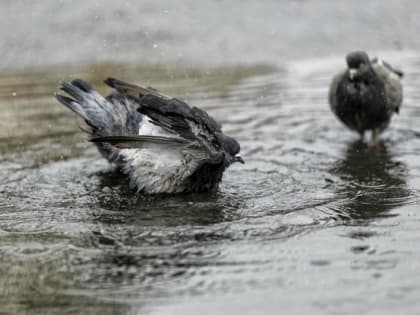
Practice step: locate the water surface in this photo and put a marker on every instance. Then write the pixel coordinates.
(314, 222)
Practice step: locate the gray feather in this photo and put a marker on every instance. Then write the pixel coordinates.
(71, 104)
(393, 87)
(161, 143)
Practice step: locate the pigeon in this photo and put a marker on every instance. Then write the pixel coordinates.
(161, 143)
(366, 94)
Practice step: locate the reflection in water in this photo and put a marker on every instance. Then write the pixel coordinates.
(139, 244)
(202, 209)
(373, 182)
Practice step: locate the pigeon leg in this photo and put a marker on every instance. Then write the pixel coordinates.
(374, 140)
(362, 137)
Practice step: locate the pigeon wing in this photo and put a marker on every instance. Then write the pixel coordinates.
(177, 117)
(392, 81)
(398, 72)
(132, 90)
(332, 96)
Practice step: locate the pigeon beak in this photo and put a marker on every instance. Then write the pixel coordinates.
(352, 73)
(238, 158)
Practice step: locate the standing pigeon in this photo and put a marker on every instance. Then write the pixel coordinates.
(161, 143)
(366, 94)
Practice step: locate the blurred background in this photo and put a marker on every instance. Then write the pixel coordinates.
(216, 32)
(312, 223)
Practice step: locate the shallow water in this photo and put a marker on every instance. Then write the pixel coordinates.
(312, 216)
(312, 223)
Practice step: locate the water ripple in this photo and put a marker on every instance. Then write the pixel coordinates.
(71, 227)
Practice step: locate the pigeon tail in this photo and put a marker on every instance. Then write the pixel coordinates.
(98, 112)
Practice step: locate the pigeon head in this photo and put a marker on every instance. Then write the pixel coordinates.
(358, 64)
(230, 148)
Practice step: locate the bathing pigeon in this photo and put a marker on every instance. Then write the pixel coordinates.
(161, 143)
(366, 94)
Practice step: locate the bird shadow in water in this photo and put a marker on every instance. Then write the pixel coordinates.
(372, 182)
(119, 201)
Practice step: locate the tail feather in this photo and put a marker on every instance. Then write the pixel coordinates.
(98, 112)
(84, 86)
(71, 104)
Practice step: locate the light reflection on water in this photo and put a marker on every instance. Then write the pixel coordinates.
(310, 207)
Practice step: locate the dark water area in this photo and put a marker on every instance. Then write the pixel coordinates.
(313, 223)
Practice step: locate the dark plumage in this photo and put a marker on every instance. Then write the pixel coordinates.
(366, 94)
(161, 143)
